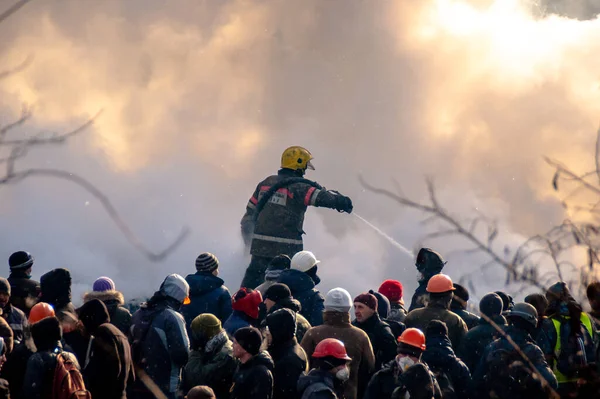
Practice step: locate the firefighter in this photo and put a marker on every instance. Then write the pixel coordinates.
(274, 215)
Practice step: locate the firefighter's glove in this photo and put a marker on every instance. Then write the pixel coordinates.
(343, 204)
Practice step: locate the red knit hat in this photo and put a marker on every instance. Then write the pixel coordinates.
(247, 300)
(392, 290)
(367, 299)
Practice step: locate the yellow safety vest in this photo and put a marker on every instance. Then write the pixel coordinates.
(587, 323)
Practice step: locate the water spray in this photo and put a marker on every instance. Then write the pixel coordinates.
(384, 235)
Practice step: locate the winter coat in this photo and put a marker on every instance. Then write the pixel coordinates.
(24, 291)
(317, 384)
(397, 312)
(39, 376)
(526, 344)
(207, 295)
(381, 337)
(254, 379)
(114, 301)
(56, 290)
(290, 362)
(303, 289)
(278, 228)
(440, 358)
(17, 321)
(110, 366)
(302, 325)
(15, 367)
(237, 320)
(214, 366)
(419, 318)
(390, 378)
(477, 339)
(165, 344)
(420, 297)
(337, 325)
(470, 319)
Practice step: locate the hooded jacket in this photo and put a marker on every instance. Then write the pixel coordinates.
(17, 321)
(390, 382)
(24, 291)
(337, 325)
(56, 290)
(477, 339)
(381, 337)
(317, 384)
(254, 379)
(164, 345)
(208, 294)
(114, 301)
(420, 318)
(302, 325)
(213, 365)
(440, 358)
(237, 320)
(303, 289)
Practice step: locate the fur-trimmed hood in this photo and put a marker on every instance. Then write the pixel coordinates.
(105, 296)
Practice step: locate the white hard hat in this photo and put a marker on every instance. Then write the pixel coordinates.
(304, 261)
(339, 300)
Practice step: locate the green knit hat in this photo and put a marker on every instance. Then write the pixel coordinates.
(206, 325)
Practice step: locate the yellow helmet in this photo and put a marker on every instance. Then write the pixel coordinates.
(296, 158)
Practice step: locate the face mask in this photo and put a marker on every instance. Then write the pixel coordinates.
(405, 362)
(343, 374)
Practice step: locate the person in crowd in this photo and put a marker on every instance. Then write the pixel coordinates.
(278, 296)
(507, 301)
(15, 317)
(208, 293)
(109, 366)
(302, 279)
(245, 310)
(104, 289)
(160, 345)
(440, 290)
(254, 377)
(288, 356)
(393, 291)
(276, 267)
(429, 263)
(336, 324)
(4, 386)
(569, 346)
(56, 291)
(477, 339)
(381, 336)
(329, 374)
(540, 303)
(452, 375)
(16, 362)
(39, 375)
(488, 378)
(201, 392)
(25, 291)
(211, 361)
(459, 306)
(383, 305)
(272, 224)
(406, 373)
(593, 296)
(7, 334)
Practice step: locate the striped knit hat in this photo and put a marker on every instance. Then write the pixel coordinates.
(207, 262)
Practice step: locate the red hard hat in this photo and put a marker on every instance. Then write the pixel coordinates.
(40, 311)
(440, 283)
(331, 347)
(413, 337)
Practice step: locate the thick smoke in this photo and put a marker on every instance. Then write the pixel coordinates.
(200, 98)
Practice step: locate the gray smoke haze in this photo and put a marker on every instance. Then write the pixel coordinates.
(201, 97)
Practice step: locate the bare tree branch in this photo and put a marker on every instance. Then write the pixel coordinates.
(16, 69)
(13, 9)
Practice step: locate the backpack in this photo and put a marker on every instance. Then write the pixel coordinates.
(574, 350)
(138, 335)
(499, 377)
(68, 382)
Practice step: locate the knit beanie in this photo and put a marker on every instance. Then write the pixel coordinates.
(250, 339)
(4, 286)
(201, 392)
(368, 300)
(207, 262)
(280, 262)
(282, 325)
(338, 300)
(206, 325)
(103, 284)
(93, 314)
(246, 300)
(392, 290)
(461, 292)
(277, 292)
(20, 260)
(491, 305)
(46, 333)
(436, 328)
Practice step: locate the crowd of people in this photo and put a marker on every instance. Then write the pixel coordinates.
(284, 339)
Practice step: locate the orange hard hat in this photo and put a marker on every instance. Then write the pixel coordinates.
(413, 337)
(440, 283)
(40, 311)
(331, 347)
